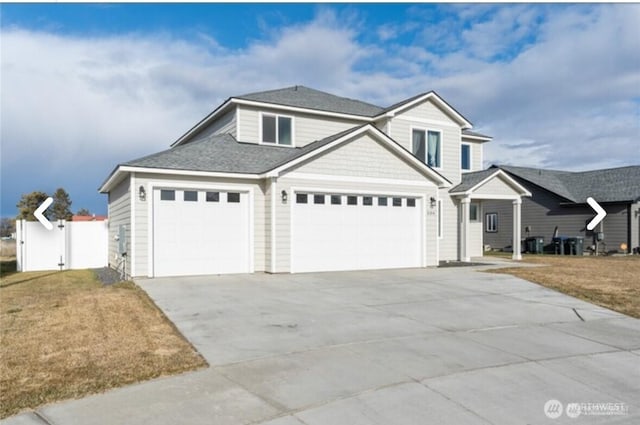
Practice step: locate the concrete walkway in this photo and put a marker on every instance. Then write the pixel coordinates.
(450, 346)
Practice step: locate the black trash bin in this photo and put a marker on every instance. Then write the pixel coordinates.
(535, 244)
(558, 244)
(575, 245)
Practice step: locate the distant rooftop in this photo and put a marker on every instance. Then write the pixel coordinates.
(608, 185)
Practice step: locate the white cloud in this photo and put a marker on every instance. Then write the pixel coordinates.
(563, 80)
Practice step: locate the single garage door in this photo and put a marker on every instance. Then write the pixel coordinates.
(355, 232)
(200, 232)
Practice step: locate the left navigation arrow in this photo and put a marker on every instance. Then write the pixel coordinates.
(38, 213)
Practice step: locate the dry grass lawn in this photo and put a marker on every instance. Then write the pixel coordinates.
(611, 282)
(64, 335)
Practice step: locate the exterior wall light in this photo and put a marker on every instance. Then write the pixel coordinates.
(432, 202)
(283, 195)
(142, 194)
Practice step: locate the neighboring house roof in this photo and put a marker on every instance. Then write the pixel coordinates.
(305, 97)
(473, 180)
(224, 154)
(608, 185)
(89, 218)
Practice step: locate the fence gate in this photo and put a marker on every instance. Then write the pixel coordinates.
(69, 245)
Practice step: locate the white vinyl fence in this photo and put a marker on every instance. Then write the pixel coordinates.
(69, 245)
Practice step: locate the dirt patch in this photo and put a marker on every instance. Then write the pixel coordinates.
(7, 248)
(610, 282)
(65, 335)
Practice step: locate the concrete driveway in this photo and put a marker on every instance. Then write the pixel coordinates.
(451, 346)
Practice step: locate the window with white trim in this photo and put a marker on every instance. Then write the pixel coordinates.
(491, 222)
(427, 146)
(465, 157)
(277, 129)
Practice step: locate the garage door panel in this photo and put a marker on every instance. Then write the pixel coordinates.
(350, 237)
(200, 237)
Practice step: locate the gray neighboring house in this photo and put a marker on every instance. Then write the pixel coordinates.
(559, 199)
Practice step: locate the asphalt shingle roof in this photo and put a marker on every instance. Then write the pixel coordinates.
(608, 185)
(471, 179)
(305, 97)
(223, 153)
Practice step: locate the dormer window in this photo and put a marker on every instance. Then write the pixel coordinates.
(427, 146)
(277, 129)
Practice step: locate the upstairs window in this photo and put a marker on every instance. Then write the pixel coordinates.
(427, 146)
(277, 129)
(465, 159)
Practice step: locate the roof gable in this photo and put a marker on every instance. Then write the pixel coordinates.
(436, 100)
(489, 183)
(348, 135)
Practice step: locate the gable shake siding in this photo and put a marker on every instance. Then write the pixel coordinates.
(496, 186)
(364, 157)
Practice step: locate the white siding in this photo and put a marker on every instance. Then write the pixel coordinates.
(119, 210)
(363, 157)
(476, 154)
(496, 186)
(449, 246)
(428, 116)
(307, 128)
(142, 214)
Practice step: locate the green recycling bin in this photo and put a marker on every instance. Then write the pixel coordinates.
(535, 244)
(576, 245)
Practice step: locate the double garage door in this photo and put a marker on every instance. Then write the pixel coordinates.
(200, 232)
(355, 232)
(208, 232)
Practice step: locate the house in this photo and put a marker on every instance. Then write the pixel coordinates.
(88, 217)
(298, 180)
(559, 200)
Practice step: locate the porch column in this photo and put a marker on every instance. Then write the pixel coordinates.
(517, 219)
(464, 230)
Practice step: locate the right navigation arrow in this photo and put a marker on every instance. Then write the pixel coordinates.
(600, 213)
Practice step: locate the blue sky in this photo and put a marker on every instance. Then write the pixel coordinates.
(84, 87)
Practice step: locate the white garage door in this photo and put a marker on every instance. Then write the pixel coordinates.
(200, 232)
(351, 232)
